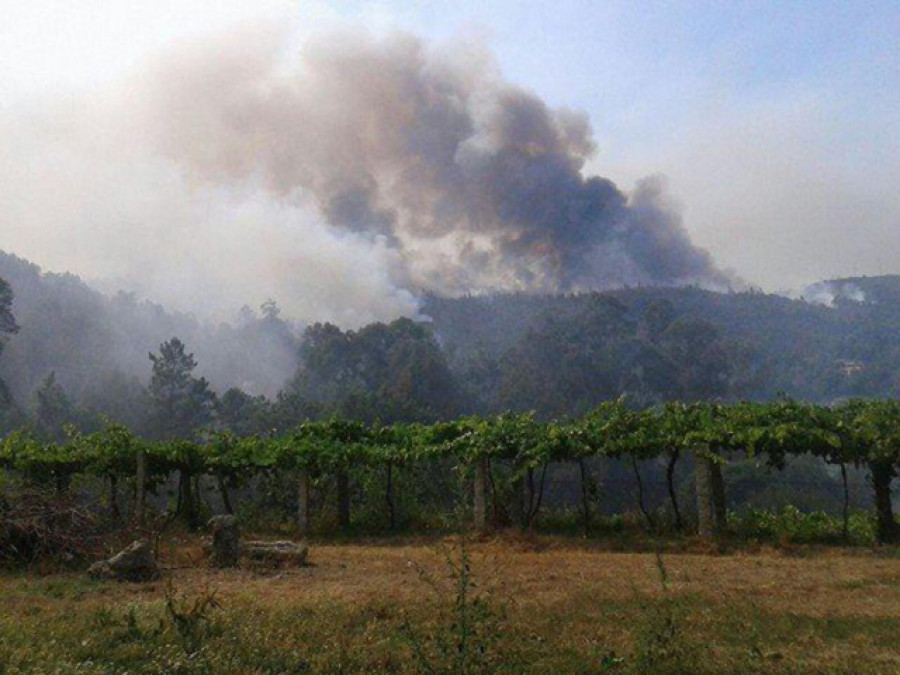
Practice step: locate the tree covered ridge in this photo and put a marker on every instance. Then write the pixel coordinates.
(81, 357)
(775, 345)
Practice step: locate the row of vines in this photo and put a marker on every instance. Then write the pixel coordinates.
(860, 433)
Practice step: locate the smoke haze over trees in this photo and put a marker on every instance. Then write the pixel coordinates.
(87, 338)
(79, 355)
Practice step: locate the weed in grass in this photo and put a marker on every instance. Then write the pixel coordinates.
(190, 616)
(662, 644)
(470, 628)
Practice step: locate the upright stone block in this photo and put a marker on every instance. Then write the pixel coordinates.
(226, 541)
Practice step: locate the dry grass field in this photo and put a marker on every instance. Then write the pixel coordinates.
(545, 606)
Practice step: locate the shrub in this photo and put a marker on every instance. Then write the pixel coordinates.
(791, 525)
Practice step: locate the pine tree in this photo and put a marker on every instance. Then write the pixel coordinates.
(182, 404)
(8, 326)
(53, 409)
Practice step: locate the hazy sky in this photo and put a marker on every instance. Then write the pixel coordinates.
(776, 123)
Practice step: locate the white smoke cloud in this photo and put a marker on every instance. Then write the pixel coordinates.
(84, 193)
(828, 292)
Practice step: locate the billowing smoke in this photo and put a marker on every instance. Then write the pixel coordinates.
(473, 183)
(342, 177)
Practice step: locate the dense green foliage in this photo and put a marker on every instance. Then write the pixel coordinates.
(391, 372)
(861, 433)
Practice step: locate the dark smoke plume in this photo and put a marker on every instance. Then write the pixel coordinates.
(475, 183)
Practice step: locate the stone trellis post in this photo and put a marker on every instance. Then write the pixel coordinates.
(480, 493)
(303, 494)
(140, 488)
(711, 506)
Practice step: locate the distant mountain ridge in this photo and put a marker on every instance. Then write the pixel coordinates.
(840, 341)
(883, 289)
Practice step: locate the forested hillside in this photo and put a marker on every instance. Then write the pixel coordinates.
(77, 350)
(772, 344)
(93, 342)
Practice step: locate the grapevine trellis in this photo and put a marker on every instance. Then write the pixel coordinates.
(860, 433)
